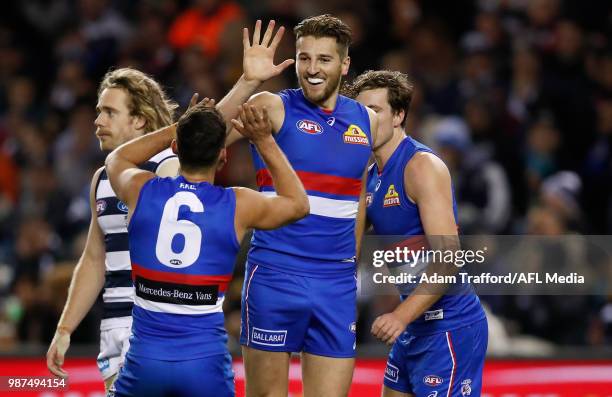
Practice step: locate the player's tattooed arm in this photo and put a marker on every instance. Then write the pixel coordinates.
(254, 209)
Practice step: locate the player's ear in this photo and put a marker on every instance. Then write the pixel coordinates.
(398, 118)
(139, 122)
(174, 146)
(222, 159)
(346, 62)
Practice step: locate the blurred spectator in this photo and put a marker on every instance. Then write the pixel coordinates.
(561, 194)
(103, 30)
(598, 172)
(36, 249)
(77, 150)
(542, 144)
(47, 16)
(480, 184)
(202, 25)
(70, 84)
(524, 90)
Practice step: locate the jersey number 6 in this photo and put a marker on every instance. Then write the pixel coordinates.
(171, 226)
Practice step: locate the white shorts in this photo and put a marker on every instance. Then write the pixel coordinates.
(114, 344)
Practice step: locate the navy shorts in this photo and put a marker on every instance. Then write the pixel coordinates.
(447, 364)
(284, 312)
(205, 377)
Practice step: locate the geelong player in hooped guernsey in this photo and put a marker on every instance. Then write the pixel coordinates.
(439, 341)
(184, 236)
(130, 104)
(299, 293)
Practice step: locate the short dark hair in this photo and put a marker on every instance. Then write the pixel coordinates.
(399, 88)
(200, 136)
(326, 26)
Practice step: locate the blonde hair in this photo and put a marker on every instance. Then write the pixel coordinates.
(146, 98)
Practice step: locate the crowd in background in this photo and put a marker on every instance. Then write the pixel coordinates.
(514, 95)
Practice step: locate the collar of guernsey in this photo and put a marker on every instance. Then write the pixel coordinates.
(182, 238)
(392, 213)
(329, 151)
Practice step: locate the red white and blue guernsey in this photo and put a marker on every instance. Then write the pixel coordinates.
(329, 151)
(442, 352)
(183, 246)
(300, 290)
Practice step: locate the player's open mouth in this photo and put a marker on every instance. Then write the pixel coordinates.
(314, 81)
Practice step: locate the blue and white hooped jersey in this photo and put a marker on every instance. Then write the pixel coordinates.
(329, 152)
(183, 246)
(118, 293)
(391, 212)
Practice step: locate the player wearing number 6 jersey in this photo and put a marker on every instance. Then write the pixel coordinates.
(184, 234)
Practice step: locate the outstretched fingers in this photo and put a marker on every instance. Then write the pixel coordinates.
(277, 37)
(257, 33)
(268, 33)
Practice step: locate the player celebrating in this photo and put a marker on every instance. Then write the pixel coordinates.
(129, 105)
(183, 249)
(440, 340)
(299, 293)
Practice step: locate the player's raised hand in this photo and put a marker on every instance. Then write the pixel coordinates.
(388, 327)
(206, 102)
(254, 123)
(258, 55)
(57, 351)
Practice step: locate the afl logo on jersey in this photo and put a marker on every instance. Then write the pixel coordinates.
(100, 206)
(309, 127)
(433, 380)
(122, 207)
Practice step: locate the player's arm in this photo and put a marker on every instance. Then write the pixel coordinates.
(254, 209)
(361, 223)
(85, 286)
(258, 66)
(274, 107)
(427, 182)
(125, 176)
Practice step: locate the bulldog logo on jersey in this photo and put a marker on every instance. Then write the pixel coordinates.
(309, 127)
(466, 387)
(391, 198)
(354, 135)
(369, 199)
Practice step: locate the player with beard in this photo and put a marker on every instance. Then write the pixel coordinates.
(299, 293)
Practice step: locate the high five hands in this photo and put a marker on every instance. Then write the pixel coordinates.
(258, 54)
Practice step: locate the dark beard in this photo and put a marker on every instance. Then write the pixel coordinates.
(331, 87)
